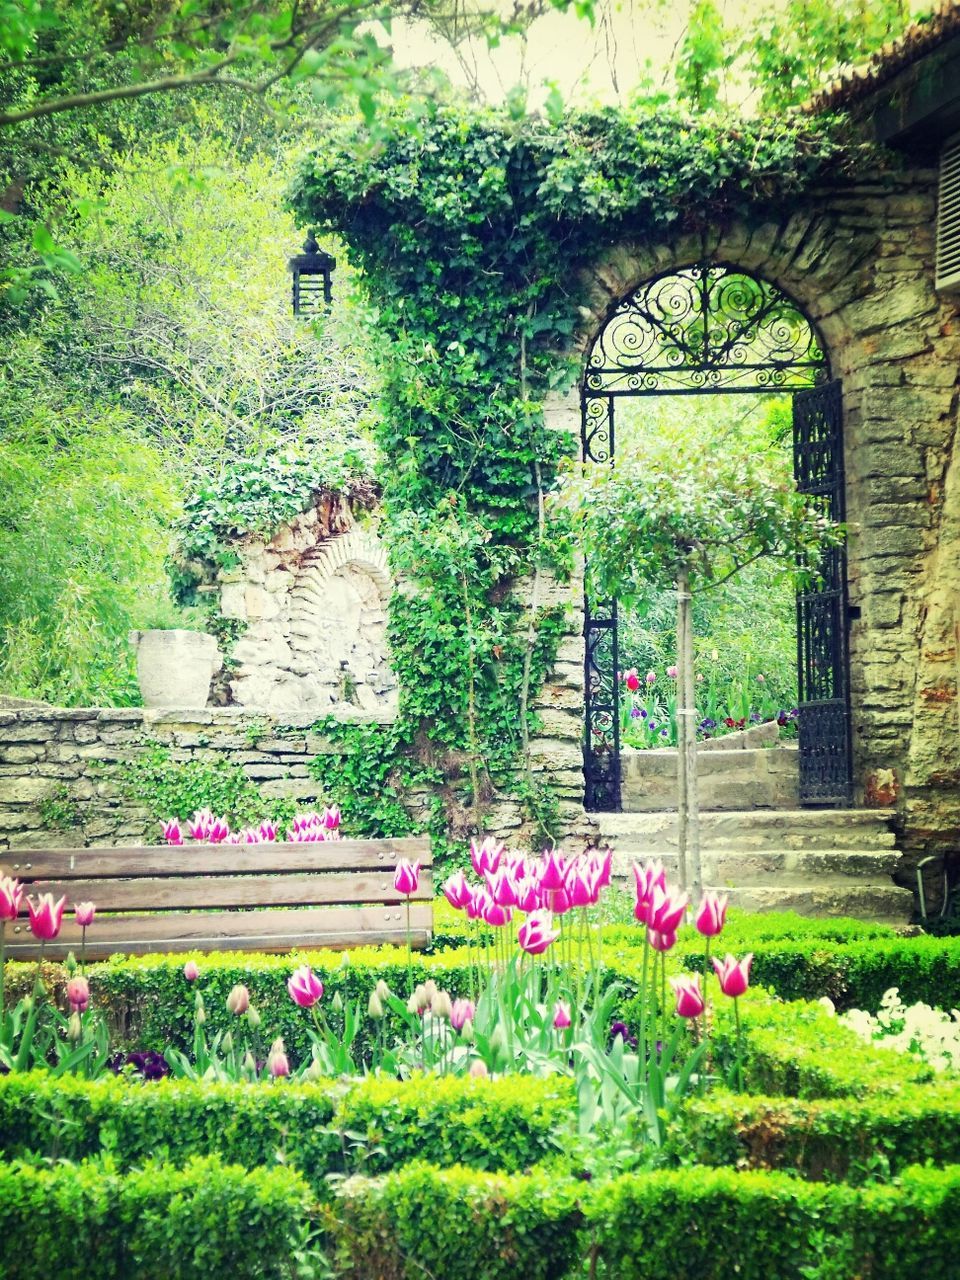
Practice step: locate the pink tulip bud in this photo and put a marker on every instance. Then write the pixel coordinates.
(649, 879)
(537, 933)
(553, 872)
(78, 993)
(672, 672)
(461, 1011)
(561, 1015)
(407, 877)
(83, 913)
(712, 915)
(651, 677)
(457, 891)
(494, 914)
(278, 1064)
(580, 889)
(501, 888)
(171, 831)
(330, 819)
(734, 977)
(238, 1001)
(632, 680)
(305, 987)
(11, 895)
(689, 997)
(661, 941)
(190, 971)
(46, 916)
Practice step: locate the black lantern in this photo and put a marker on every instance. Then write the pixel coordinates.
(311, 272)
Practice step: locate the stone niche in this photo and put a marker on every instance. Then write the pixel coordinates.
(314, 600)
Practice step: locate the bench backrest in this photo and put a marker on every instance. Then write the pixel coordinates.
(226, 897)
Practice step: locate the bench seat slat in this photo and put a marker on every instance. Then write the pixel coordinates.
(280, 930)
(222, 859)
(173, 893)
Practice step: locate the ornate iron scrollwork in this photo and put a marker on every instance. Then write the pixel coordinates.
(822, 657)
(714, 328)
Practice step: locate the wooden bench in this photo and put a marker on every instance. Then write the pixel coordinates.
(226, 897)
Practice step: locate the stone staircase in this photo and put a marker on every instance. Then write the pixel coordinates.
(818, 862)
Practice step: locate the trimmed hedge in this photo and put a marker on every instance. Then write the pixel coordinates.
(321, 1128)
(87, 1222)
(693, 1224)
(458, 1225)
(801, 1050)
(850, 1139)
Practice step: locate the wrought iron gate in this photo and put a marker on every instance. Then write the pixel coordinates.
(713, 328)
(826, 776)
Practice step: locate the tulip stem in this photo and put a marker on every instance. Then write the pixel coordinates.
(706, 1027)
(3, 926)
(663, 1000)
(409, 949)
(643, 1005)
(736, 1014)
(83, 949)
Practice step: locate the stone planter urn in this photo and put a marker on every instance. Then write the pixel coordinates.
(174, 668)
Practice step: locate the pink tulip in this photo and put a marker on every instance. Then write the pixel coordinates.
(83, 913)
(199, 828)
(461, 1011)
(555, 900)
(478, 1069)
(632, 680)
(561, 1015)
(712, 915)
(528, 895)
(648, 879)
(501, 888)
(602, 864)
(651, 677)
(268, 830)
(78, 993)
(553, 872)
(46, 916)
(219, 831)
(190, 971)
(667, 910)
(734, 977)
(486, 855)
(494, 914)
(661, 941)
(407, 877)
(305, 987)
(478, 897)
(537, 933)
(580, 889)
(11, 895)
(171, 831)
(457, 891)
(330, 819)
(689, 997)
(238, 1001)
(672, 672)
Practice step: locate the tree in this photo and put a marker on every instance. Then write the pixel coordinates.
(678, 513)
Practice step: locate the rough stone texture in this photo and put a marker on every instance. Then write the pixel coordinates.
(756, 778)
(314, 600)
(858, 258)
(68, 759)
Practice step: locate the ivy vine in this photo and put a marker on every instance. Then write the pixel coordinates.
(471, 229)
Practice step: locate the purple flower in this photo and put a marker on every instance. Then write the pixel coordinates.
(664, 733)
(708, 723)
(651, 725)
(149, 1064)
(755, 717)
(636, 713)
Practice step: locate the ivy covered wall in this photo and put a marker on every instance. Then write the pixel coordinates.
(493, 248)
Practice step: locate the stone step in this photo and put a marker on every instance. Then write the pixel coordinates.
(758, 777)
(882, 903)
(789, 866)
(656, 834)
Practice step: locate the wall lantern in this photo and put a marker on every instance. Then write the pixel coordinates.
(311, 271)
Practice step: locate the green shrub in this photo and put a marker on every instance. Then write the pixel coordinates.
(821, 1139)
(457, 1224)
(714, 1223)
(327, 1127)
(208, 1220)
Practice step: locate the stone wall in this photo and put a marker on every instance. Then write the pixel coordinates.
(859, 259)
(313, 601)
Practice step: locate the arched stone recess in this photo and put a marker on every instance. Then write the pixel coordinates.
(859, 260)
(316, 634)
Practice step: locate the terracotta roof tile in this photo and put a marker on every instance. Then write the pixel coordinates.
(918, 39)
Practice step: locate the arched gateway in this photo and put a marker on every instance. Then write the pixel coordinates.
(705, 329)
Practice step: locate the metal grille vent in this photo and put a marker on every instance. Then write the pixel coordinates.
(948, 217)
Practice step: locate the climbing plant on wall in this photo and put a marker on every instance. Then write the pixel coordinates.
(471, 230)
